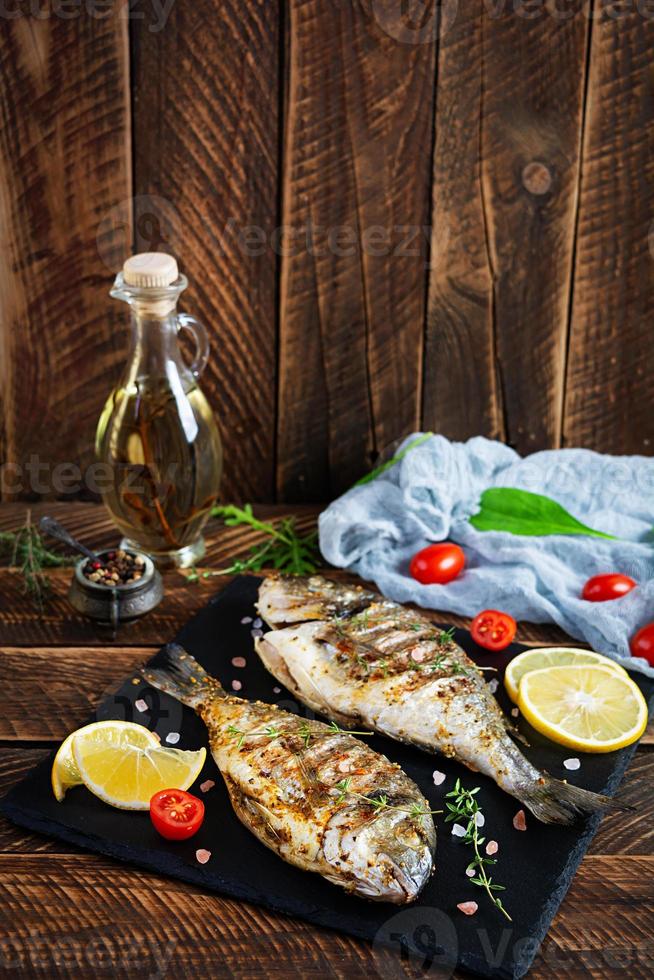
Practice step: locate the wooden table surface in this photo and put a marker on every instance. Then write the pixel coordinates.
(64, 912)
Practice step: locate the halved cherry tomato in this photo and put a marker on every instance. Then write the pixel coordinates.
(642, 644)
(176, 814)
(437, 563)
(602, 588)
(492, 629)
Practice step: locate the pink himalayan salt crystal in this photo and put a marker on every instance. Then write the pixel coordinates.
(202, 856)
(277, 690)
(236, 685)
(439, 777)
(418, 656)
(468, 908)
(492, 847)
(141, 705)
(238, 661)
(344, 766)
(207, 785)
(519, 821)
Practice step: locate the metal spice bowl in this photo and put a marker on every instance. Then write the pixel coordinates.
(120, 603)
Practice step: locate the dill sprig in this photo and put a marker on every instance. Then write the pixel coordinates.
(304, 731)
(378, 803)
(28, 554)
(464, 807)
(284, 548)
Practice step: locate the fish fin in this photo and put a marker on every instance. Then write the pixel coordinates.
(555, 801)
(178, 673)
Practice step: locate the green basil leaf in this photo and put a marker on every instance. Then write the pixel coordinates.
(522, 512)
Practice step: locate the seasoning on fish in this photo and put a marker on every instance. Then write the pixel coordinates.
(371, 831)
(359, 659)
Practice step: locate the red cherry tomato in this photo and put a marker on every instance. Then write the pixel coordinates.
(437, 563)
(492, 629)
(642, 644)
(175, 814)
(601, 588)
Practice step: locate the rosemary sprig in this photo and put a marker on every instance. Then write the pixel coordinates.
(465, 808)
(378, 803)
(284, 548)
(304, 732)
(28, 554)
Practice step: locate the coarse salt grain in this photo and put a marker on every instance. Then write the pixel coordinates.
(468, 908)
(172, 738)
(257, 624)
(519, 821)
(492, 847)
(255, 634)
(207, 785)
(236, 685)
(238, 661)
(141, 705)
(471, 872)
(246, 620)
(277, 690)
(458, 830)
(515, 712)
(418, 656)
(439, 777)
(572, 764)
(480, 819)
(344, 766)
(493, 685)
(202, 856)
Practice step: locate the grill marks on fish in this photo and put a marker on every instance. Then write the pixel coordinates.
(361, 659)
(285, 776)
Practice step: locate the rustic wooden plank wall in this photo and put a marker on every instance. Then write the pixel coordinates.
(392, 215)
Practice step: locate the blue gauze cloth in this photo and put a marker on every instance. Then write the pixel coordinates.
(376, 528)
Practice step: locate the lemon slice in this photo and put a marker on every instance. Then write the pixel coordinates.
(588, 707)
(551, 657)
(127, 775)
(65, 773)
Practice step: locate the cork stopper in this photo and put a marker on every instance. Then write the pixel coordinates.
(150, 270)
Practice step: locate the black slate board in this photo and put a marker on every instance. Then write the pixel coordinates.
(536, 866)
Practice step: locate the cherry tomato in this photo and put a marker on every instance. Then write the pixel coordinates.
(601, 588)
(642, 644)
(492, 629)
(176, 814)
(437, 563)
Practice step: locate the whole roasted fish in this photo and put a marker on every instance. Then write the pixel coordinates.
(318, 797)
(360, 659)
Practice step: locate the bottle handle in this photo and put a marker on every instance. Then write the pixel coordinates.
(202, 348)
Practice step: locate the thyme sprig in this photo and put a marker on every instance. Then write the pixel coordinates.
(378, 803)
(284, 548)
(29, 556)
(304, 731)
(464, 807)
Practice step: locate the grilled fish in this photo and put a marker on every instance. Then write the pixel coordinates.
(320, 798)
(361, 659)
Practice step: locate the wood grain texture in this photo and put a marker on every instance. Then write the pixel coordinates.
(462, 396)
(355, 202)
(64, 228)
(533, 77)
(125, 916)
(206, 175)
(611, 355)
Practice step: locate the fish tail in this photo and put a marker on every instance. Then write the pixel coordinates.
(555, 801)
(178, 673)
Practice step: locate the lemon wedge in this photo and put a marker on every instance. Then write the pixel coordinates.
(65, 773)
(542, 657)
(588, 707)
(127, 775)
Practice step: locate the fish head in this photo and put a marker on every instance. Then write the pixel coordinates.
(389, 855)
(288, 599)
